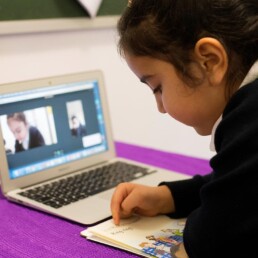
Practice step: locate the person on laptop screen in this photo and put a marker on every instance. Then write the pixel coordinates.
(78, 129)
(199, 58)
(26, 136)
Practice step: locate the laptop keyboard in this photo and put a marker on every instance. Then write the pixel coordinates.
(74, 188)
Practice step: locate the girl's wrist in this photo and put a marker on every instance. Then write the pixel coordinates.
(166, 200)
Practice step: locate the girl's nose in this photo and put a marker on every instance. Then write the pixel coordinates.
(160, 106)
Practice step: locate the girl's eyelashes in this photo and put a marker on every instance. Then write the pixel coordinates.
(157, 90)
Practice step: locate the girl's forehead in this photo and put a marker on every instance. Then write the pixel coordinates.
(15, 121)
(144, 66)
(141, 61)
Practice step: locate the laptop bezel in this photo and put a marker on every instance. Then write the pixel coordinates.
(8, 184)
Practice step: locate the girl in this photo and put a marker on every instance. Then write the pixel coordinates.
(26, 136)
(200, 60)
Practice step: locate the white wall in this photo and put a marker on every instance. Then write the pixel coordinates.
(132, 106)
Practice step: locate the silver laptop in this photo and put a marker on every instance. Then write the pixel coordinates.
(57, 151)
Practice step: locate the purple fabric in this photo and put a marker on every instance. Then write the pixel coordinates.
(25, 232)
(166, 160)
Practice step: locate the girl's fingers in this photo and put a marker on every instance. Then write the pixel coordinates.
(120, 193)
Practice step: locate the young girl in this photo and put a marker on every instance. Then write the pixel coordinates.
(26, 136)
(200, 60)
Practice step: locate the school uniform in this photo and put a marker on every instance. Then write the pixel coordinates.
(80, 131)
(222, 207)
(35, 139)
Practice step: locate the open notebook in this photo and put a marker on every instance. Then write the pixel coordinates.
(57, 151)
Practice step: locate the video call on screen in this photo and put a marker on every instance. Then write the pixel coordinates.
(52, 127)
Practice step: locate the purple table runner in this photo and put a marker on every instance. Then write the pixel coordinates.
(25, 232)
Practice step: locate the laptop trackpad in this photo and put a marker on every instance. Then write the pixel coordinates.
(107, 195)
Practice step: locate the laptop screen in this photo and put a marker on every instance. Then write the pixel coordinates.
(50, 126)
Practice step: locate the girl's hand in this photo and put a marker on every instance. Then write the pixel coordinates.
(130, 198)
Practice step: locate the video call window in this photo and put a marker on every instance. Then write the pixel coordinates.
(50, 126)
(76, 118)
(28, 129)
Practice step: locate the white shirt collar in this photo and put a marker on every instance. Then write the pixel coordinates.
(251, 76)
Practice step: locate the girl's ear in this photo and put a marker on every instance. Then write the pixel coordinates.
(212, 57)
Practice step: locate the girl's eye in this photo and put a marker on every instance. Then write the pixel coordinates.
(157, 90)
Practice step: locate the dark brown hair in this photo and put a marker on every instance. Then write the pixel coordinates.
(19, 116)
(169, 29)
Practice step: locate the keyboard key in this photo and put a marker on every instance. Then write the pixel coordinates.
(74, 188)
